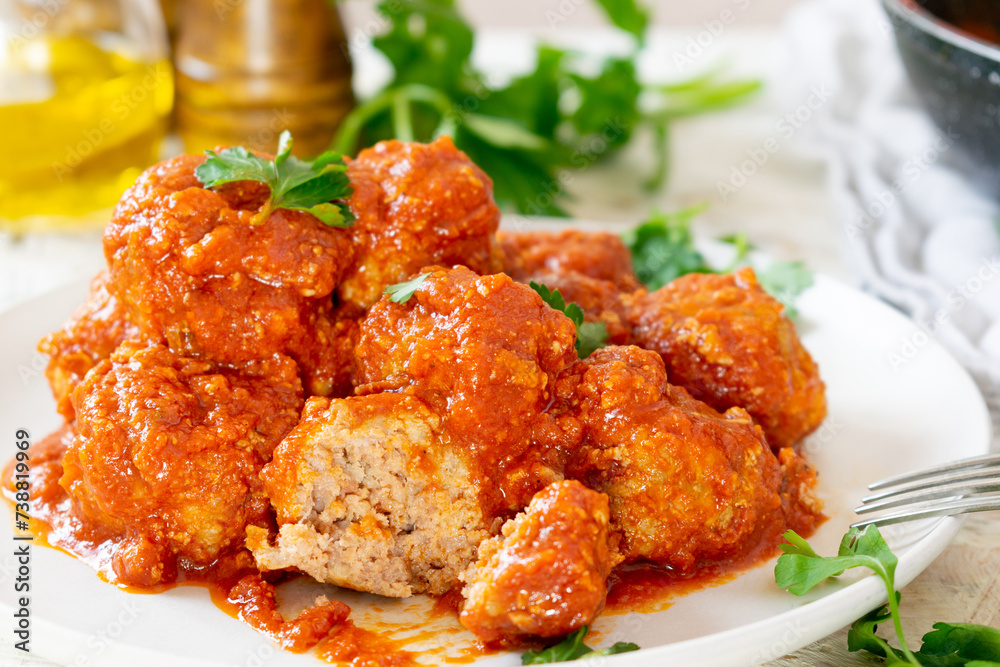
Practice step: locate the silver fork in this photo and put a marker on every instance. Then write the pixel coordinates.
(968, 485)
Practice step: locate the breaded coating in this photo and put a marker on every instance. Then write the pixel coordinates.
(369, 497)
(729, 343)
(195, 271)
(483, 353)
(168, 451)
(546, 576)
(598, 255)
(417, 205)
(599, 299)
(687, 485)
(97, 327)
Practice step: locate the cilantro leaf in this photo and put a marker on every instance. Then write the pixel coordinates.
(401, 292)
(590, 336)
(573, 648)
(295, 184)
(663, 249)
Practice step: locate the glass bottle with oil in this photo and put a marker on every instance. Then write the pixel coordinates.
(86, 88)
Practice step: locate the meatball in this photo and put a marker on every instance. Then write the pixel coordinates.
(417, 205)
(195, 271)
(687, 485)
(546, 576)
(90, 335)
(598, 255)
(729, 343)
(168, 451)
(599, 299)
(369, 497)
(483, 353)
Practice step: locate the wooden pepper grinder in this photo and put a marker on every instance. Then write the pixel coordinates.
(248, 69)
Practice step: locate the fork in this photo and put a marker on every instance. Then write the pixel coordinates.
(967, 485)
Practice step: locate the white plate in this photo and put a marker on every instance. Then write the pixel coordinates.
(882, 421)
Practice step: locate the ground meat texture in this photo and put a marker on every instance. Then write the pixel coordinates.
(729, 343)
(368, 497)
(168, 452)
(196, 272)
(546, 575)
(417, 205)
(90, 335)
(599, 299)
(483, 353)
(598, 255)
(687, 485)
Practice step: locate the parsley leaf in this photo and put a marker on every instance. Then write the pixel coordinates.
(663, 249)
(785, 281)
(401, 292)
(295, 184)
(627, 15)
(590, 336)
(573, 648)
(533, 133)
(800, 569)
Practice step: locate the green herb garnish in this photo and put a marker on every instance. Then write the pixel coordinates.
(590, 336)
(538, 129)
(785, 281)
(573, 648)
(663, 249)
(800, 569)
(401, 292)
(313, 187)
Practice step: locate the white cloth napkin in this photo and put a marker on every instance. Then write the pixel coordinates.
(914, 232)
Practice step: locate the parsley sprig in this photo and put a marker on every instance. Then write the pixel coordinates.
(590, 336)
(563, 115)
(663, 249)
(314, 187)
(401, 292)
(573, 648)
(800, 569)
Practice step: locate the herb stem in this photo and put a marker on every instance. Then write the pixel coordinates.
(402, 117)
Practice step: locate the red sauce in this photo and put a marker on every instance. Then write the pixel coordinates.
(348, 643)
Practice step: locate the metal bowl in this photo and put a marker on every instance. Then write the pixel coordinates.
(956, 72)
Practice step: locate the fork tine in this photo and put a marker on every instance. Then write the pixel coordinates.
(932, 509)
(934, 483)
(964, 464)
(952, 490)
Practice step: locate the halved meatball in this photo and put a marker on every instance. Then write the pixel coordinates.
(369, 497)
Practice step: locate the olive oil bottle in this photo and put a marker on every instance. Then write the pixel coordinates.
(82, 113)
